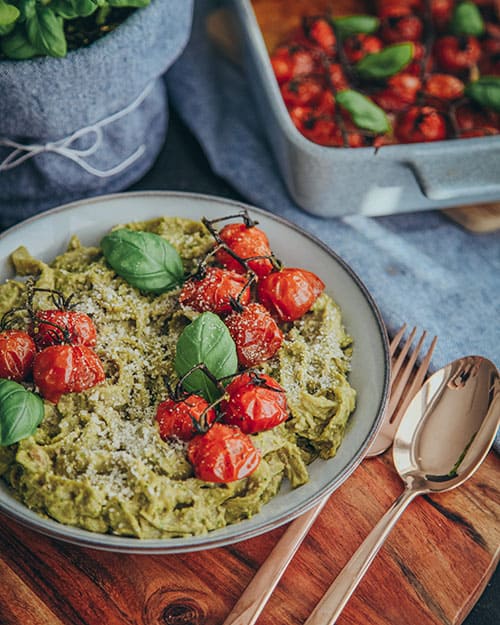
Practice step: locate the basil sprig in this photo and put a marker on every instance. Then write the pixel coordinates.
(486, 92)
(356, 24)
(144, 259)
(205, 340)
(365, 113)
(21, 412)
(467, 20)
(8, 14)
(385, 63)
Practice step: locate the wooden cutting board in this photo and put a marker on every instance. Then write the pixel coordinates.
(431, 571)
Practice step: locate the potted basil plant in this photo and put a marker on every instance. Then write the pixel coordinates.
(83, 106)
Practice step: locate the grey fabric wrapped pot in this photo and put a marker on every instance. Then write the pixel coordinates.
(92, 122)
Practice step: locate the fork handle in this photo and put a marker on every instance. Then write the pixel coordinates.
(255, 596)
(333, 601)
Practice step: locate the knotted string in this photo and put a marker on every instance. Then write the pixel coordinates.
(23, 152)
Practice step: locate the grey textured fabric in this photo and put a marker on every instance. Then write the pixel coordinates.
(47, 99)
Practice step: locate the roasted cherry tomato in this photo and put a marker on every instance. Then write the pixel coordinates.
(183, 418)
(319, 32)
(444, 87)
(246, 242)
(17, 352)
(256, 402)
(401, 25)
(215, 291)
(401, 91)
(289, 293)
(223, 454)
(359, 45)
(50, 328)
(61, 369)
(456, 54)
(471, 117)
(291, 61)
(420, 124)
(386, 8)
(303, 91)
(256, 334)
(441, 12)
(337, 77)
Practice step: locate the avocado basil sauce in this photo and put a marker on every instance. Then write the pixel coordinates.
(97, 460)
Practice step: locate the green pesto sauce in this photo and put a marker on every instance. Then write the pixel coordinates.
(97, 460)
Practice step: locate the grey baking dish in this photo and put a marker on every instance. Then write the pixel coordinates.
(337, 181)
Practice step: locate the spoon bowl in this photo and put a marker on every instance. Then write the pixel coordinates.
(442, 439)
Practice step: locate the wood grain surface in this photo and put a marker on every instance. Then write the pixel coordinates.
(431, 571)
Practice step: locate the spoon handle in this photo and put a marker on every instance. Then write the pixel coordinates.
(333, 601)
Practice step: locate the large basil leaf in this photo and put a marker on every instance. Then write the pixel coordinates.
(46, 32)
(355, 24)
(486, 92)
(144, 259)
(21, 412)
(365, 113)
(8, 14)
(17, 46)
(467, 20)
(205, 340)
(385, 63)
(69, 9)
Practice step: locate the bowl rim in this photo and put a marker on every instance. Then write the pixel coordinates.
(125, 544)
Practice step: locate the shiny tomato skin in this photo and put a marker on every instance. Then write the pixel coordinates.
(421, 124)
(456, 54)
(245, 242)
(304, 91)
(444, 87)
(80, 327)
(319, 32)
(255, 333)
(17, 352)
(358, 46)
(401, 26)
(401, 91)
(213, 292)
(175, 418)
(61, 369)
(254, 404)
(290, 62)
(223, 454)
(290, 292)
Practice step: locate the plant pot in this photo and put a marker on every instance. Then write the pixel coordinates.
(92, 122)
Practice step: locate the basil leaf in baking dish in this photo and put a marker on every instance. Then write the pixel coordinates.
(365, 113)
(387, 62)
(356, 24)
(145, 260)
(486, 92)
(467, 20)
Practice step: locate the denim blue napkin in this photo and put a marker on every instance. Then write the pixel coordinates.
(421, 268)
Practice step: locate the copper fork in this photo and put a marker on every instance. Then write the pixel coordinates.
(255, 596)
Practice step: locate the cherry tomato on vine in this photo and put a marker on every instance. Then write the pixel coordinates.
(385, 8)
(441, 12)
(302, 91)
(79, 326)
(319, 31)
(214, 291)
(291, 61)
(337, 76)
(290, 292)
(421, 124)
(223, 454)
(358, 46)
(17, 352)
(256, 334)
(256, 402)
(401, 91)
(399, 25)
(61, 369)
(246, 242)
(470, 117)
(444, 87)
(175, 417)
(456, 54)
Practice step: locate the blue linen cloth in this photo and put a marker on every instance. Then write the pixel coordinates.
(421, 268)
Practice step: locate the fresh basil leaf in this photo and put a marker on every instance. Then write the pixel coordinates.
(69, 9)
(21, 412)
(9, 14)
(385, 63)
(205, 340)
(467, 20)
(17, 46)
(486, 92)
(27, 8)
(365, 113)
(46, 32)
(144, 259)
(356, 24)
(128, 3)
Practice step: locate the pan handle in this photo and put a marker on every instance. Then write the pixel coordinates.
(444, 173)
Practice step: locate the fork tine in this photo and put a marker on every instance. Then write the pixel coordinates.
(398, 363)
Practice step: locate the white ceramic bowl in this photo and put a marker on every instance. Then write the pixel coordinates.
(48, 234)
